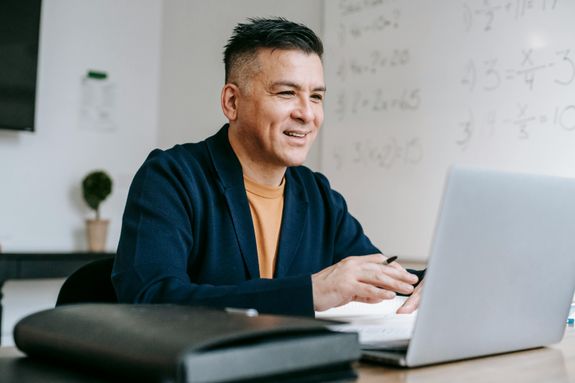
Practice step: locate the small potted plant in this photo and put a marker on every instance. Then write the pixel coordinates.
(96, 187)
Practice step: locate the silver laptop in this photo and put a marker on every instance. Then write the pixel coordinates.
(501, 273)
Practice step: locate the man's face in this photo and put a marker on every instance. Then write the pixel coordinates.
(280, 107)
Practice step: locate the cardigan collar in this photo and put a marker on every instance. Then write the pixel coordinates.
(231, 182)
(226, 163)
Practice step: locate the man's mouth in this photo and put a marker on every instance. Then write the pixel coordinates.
(292, 133)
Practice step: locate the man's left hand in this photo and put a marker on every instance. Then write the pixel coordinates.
(412, 303)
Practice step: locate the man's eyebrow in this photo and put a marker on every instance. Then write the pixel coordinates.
(294, 85)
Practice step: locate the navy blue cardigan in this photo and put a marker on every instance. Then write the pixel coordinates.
(187, 234)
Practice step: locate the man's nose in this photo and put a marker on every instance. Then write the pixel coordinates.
(304, 111)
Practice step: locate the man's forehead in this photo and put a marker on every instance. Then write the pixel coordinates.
(293, 68)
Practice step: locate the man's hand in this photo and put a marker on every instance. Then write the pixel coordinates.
(412, 303)
(362, 279)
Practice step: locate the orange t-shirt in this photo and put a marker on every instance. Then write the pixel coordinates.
(266, 206)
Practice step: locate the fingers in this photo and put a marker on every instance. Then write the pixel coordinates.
(371, 294)
(388, 277)
(409, 306)
(373, 271)
(412, 303)
(378, 260)
(362, 278)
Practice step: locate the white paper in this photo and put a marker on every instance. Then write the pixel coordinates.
(98, 104)
(377, 325)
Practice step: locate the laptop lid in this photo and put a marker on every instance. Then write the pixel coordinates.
(501, 274)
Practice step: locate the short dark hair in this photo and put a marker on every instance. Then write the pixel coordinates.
(275, 33)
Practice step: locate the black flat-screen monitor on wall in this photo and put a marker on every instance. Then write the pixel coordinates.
(19, 42)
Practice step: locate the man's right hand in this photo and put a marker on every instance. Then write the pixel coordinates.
(362, 279)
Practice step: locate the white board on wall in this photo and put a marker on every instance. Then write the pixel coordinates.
(415, 86)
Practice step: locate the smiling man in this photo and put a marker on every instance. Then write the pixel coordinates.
(236, 220)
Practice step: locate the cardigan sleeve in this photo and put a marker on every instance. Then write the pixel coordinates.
(155, 243)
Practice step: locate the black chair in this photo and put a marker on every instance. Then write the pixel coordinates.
(91, 283)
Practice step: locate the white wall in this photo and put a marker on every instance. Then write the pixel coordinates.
(194, 36)
(165, 60)
(40, 173)
(24, 297)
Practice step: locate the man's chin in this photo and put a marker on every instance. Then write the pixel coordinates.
(295, 158)
(295, 162)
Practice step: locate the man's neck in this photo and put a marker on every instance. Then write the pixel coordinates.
(257, 171)
(262, 177)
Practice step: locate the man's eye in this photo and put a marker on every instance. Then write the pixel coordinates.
(286, 93)
(317, 97)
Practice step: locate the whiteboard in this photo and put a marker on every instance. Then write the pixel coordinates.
(417, 85)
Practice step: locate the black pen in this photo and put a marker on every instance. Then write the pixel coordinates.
(389, 260)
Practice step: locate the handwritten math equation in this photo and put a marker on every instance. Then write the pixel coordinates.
(524, 122)
(371, 25)
(486, 15)
(376, 101)
(353, 7)
(530, 68)
(373, 63)
(386, 153)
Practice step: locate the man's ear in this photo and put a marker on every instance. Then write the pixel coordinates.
(229, 99)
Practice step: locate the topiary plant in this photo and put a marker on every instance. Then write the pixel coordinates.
(96, 187)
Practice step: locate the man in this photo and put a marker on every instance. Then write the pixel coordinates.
(235, 220)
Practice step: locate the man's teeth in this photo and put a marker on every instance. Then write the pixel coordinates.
(294, 134)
